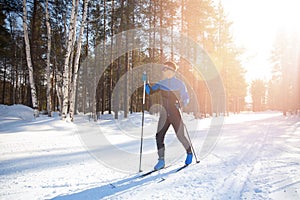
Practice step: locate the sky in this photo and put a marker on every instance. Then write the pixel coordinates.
(255, 25)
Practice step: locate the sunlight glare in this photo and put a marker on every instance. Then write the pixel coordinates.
(287, 15)
(256, 26)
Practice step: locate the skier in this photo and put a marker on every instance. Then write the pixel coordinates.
(173, 94)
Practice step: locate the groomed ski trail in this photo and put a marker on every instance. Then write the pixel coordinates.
(242, 165)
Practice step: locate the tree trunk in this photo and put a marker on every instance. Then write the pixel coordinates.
(28, 58)
(110, 86)
(48, 61)
(116, 99)
(76, 62)
(59, 91)
(70, 42)
(4, 82)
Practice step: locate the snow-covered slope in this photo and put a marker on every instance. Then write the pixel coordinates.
(257, 156)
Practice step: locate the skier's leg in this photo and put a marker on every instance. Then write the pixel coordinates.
(163, 125)
(178, 126)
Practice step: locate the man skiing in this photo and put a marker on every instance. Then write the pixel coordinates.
(173, 94)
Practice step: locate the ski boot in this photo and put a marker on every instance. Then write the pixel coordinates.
(189, 158)
(160, 164)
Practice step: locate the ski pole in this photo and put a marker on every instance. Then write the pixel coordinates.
(144, 78)
(190, 141)
(188, 136)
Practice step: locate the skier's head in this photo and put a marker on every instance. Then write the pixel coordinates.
(171, 66)
(169, 69)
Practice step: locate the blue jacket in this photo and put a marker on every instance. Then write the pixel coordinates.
(173, 85)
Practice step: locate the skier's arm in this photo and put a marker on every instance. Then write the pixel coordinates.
(156, 86)
(153, 88)
(150, 88)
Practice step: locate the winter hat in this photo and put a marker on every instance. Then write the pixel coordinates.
(171, 65)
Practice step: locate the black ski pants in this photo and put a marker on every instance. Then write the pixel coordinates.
(170, 116)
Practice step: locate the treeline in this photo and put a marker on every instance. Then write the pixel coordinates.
(46, 69)
(282, 91)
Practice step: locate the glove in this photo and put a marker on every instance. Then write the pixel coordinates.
(179, 104)
(185, 102)
(148, 88)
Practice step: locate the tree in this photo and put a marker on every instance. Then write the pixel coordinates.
(70, 42)
(55, 48)
(5, 41)
(48, 72)
(258, 92)
(28, 58)
(76, 62)
(283, 87)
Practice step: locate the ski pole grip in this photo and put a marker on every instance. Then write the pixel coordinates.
(144, 77)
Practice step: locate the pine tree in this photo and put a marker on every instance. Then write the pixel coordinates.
(283, 89)
(5, 48)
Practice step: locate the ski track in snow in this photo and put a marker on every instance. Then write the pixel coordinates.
(241, 166)
(256, 157)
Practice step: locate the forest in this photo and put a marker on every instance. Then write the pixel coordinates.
(51, 52)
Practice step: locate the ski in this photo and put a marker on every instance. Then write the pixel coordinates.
(176, 170)
(163, 176)
(181, 168)
(138, 176)
(148, 173)
(185, 166)
(152, 171)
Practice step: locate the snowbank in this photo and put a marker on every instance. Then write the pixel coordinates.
(17, 111)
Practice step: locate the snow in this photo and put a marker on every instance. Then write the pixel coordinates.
(256, 156)
(17, 111)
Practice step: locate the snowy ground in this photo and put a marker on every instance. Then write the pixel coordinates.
(257, 156)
